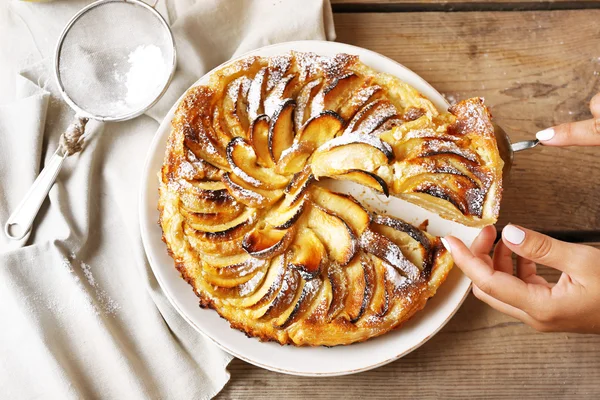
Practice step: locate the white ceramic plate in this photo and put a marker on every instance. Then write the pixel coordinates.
(319, 361)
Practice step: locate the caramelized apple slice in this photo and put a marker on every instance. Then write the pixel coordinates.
(395, 282)
(264, 243)
(250, 287)
(352, 139)
(256, 95)
(405, 236)
(242, 160)
(321, 128)
(383, 248)
(249, 195)
(219, 261)
(299, 184)
(287, 294)
(259, 139)
(351, 152)
(380, 298)
(286, 213)
(203, 246)
(339, 290)
(283, 90)
(307, 253)
(367, 179)
(343, 206)
(334, 94)
(268, 289)
(303, 302)
(191, 168)
(245, 218)
(371, 117)
(361, 97)
(201, 219)
(199, 143)
(438, 191)
(206, 198)
(234, 107)
(451, 164)
(334, 233)
(281, 129)
(233, 275)
(305, 96)
(359, 292)
(317, 312)
(293, 159)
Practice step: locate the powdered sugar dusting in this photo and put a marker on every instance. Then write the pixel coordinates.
(107, 303)
(255, 94)
(302, 102)
(356, 137)
(278, 67)
(275, 97)
(397, 280)
(246, 194)
(436, 146)
(383, 111)
(250, 286)
(388, 251)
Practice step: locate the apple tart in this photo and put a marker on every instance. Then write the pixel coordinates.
(278, 255)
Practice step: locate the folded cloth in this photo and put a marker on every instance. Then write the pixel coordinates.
(82, 314)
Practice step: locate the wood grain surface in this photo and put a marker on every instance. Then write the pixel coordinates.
(480, 354)
(459, 5)
(534, 69)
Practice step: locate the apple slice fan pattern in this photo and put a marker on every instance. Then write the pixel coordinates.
(285, 259)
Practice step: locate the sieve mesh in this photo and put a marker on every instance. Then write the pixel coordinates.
(115, 60)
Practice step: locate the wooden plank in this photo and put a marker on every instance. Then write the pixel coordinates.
(481, 353)
(458, 5)
(377, 2)
(534, 70)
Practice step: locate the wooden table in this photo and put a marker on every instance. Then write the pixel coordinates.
(537, 64)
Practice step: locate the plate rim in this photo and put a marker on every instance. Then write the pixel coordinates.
(145, 229)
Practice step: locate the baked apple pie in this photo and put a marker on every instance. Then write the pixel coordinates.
(251, 228)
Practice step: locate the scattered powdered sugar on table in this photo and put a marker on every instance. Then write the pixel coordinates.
(107, 304)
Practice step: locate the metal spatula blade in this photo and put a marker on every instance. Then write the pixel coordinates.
(508, 149)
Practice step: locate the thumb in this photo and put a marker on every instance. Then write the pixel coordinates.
(543, 249)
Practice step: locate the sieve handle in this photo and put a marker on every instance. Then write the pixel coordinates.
(19, 223)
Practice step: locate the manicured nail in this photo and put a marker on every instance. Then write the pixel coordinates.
(546, 134)
(513, 234)
(446, 245)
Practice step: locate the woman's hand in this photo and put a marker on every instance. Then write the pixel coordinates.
(573, 303)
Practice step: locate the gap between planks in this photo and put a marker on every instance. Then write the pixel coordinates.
(345, 6)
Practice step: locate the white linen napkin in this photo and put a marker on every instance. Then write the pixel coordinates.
(82, 315)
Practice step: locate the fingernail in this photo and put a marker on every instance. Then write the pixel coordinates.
(446, 245)
(544, 135)
(513, 234)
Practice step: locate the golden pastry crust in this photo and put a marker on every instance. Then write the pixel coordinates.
(284, 259)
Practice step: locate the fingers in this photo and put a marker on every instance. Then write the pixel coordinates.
(503, 286)
(595, 106)
(483, 243)
(503, 307)
(527, 272)
(580, 133)
(543, 249)
(503, 258)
